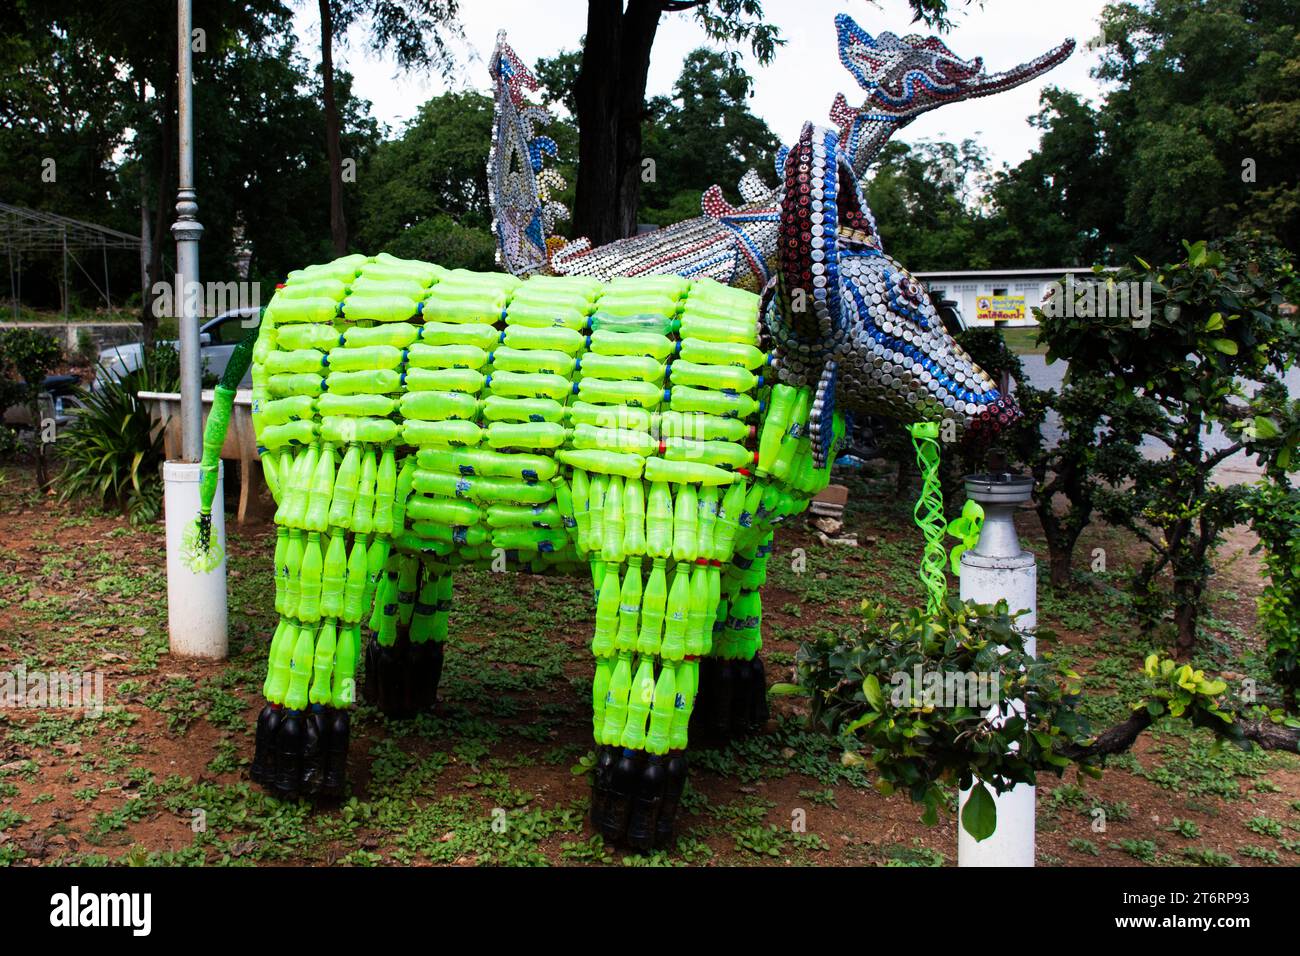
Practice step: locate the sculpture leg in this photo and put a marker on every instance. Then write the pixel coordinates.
(409, 625)
(732, 697)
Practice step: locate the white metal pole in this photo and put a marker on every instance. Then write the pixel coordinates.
(997, 568)
(196, 600)
(187, 232)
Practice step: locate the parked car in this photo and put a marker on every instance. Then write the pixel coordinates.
(217, 340)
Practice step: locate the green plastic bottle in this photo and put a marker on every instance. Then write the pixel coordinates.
(364, 510)
(724, 533)
(354, 588)
(633, 517)
(596, 513)
(344, 692)
(599, 690)
(708, 520)
(345, 488)
(385, 486)
(281, 546)
(300, 668)
(661, 713)
(789, 445)
(293, 570)
(581, 491)
(278, 673)
(310, 579)
(277, 648)
(653, 602)
(676, 613)
(323, 663)
(614, 529)
(334, 571)
(683, 703)
(300, 487)
(775, 425)
(715, 598)
(686, 509)
(620, 685)
(659, 521)
(697, 610)
(639, 700)
(607, 605)
(629, 606)
(321, 491)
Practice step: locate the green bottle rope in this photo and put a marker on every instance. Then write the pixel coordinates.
(198, 553)
(929, 514)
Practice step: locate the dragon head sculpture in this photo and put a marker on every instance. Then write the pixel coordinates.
(848, 320)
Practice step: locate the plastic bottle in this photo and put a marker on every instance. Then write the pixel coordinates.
(684, 703)
(334, 570)
(685, 519)
(661, 713)
(580, 492)
(364, 510)
(345, 488)
(607, 605)
(653, 602)
(775, 425)
(300, 668)
(638, 704)
(634, 541)
(281, 545)
(599, 688)
(344, 690)
(614, 528)
(659, 521)
(300, 487)
(629, 608)
(620, 684)
(708, 520)
(385, 486)
(292, 570)
(321, 490)
(323, 663)
(676, 612)
(596, 513)
(310, 579)
(697, 610)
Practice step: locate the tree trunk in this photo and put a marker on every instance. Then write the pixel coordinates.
(1061, 562)
(338, 224)
(610, 99)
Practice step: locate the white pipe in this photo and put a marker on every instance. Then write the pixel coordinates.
(997, 568)
(196, 601)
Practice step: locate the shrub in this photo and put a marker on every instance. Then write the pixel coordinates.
(26, 357)
(112, 451)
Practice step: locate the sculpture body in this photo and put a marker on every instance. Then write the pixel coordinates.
(645, 422)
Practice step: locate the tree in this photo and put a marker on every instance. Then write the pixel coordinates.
(609, 94)
(26, 357)
(427, 190)
(416, 31)
(1210, 352)
(704, 134)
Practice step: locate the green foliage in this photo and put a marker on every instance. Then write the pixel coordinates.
(1211, 352)
(26, 357)
(1274, 513)
(112, 451)
(917, 739)
(426, 192)
(1180, 691)
(704, 134)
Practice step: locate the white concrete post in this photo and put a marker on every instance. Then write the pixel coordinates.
(997, 568)
(196, 601)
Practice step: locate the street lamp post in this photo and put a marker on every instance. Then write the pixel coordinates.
(196, 599)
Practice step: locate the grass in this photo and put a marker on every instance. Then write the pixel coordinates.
(498, 774)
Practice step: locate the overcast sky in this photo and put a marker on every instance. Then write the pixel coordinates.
(803, 78)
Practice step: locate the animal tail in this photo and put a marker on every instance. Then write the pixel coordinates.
(520, 189)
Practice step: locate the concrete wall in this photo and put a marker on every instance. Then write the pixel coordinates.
(68, 334)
